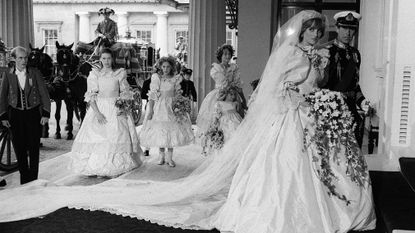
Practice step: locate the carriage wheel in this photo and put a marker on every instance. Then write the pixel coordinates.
(7, 158)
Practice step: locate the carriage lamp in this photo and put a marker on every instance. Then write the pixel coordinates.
(143, 52)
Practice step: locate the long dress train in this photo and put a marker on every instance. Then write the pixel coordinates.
(260, 181)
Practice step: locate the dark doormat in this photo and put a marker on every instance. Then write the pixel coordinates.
(82, 221)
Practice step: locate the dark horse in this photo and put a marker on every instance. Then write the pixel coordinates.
(72, 73)
(43, 62)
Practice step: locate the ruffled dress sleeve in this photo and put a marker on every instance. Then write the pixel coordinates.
(217, 74)
(92, 86)
(297, 67)
(125, 88)
(154, 93)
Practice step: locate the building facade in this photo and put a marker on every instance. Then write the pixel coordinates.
(154, 21)
(157, 22)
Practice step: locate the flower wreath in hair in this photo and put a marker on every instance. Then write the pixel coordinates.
(228, 89)
(106, 11)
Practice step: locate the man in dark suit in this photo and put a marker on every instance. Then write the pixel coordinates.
(24, 106)
(188, 90)
(343, 69)
(187, 85)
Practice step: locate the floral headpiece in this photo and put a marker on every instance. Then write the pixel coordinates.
(229, 89)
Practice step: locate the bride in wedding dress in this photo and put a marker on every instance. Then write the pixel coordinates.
(262, 180)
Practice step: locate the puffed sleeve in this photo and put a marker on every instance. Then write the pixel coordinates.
(125, 89)
(154, 92)
(297, 67)
(216, 72)
(92, 86)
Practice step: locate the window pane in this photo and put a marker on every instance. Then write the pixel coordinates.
(50, 36)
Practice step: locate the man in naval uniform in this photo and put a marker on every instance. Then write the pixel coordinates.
(343, 69)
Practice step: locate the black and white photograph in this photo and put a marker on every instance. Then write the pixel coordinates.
(210, 116)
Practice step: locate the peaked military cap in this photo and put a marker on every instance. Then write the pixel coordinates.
(347, 19)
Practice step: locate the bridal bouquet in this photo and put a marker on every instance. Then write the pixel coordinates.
(213, 138)
(181, 107)
(129, 102)
(333, 128)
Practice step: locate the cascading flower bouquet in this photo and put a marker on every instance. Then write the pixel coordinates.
(213, 138)
(333, 128)
(181, 107)
(129, 102)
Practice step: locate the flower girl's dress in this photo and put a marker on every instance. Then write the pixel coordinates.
(163, 130)
(230, 118)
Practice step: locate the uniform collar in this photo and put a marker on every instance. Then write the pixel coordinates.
(340, 44)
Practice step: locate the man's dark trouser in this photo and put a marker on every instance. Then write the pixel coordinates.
(25, 127)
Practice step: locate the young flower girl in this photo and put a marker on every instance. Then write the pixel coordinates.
(161, 128)
(226, 120)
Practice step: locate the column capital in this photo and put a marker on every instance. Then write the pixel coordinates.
(83, 13)
(161, 13)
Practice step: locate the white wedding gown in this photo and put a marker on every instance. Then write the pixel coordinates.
(261, 181)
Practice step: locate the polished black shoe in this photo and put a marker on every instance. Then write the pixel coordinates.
(3, 183)
(146, 153)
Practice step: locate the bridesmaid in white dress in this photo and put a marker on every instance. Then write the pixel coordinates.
(224, 74)
(227, 116)
(107, 143)
(160, 127)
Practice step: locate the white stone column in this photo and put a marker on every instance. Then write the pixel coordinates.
(161, 40)
(122, 23)
(16, 22)
(207, 33)
(84, 28)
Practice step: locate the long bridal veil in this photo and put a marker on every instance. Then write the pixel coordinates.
(190, 202)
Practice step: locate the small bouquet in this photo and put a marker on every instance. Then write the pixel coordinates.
(181, 107)
(129, 102)
(213, 138)
(332, 128)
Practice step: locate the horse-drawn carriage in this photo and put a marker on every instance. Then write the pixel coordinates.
(66, 81)
(8, 160)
